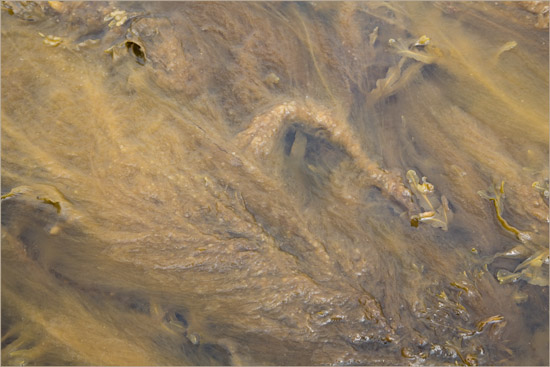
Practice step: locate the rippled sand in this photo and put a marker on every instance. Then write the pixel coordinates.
(274, 183)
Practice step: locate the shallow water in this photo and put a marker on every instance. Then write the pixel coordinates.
(229, 183)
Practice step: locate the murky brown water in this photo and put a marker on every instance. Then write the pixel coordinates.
(235, 183)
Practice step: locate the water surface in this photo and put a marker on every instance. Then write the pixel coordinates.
(274, 183)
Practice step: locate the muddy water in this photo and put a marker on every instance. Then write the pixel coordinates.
(242, 183)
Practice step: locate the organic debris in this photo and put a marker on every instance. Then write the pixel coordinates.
(534, 269)
(436, 213)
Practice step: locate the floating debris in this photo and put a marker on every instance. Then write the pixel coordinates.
(542, 188)
(116, 18)
(506, 47)
(530, 270)
(436, 212)
(422, 41)
(373, 36)
(51, 40)
(271, 79)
